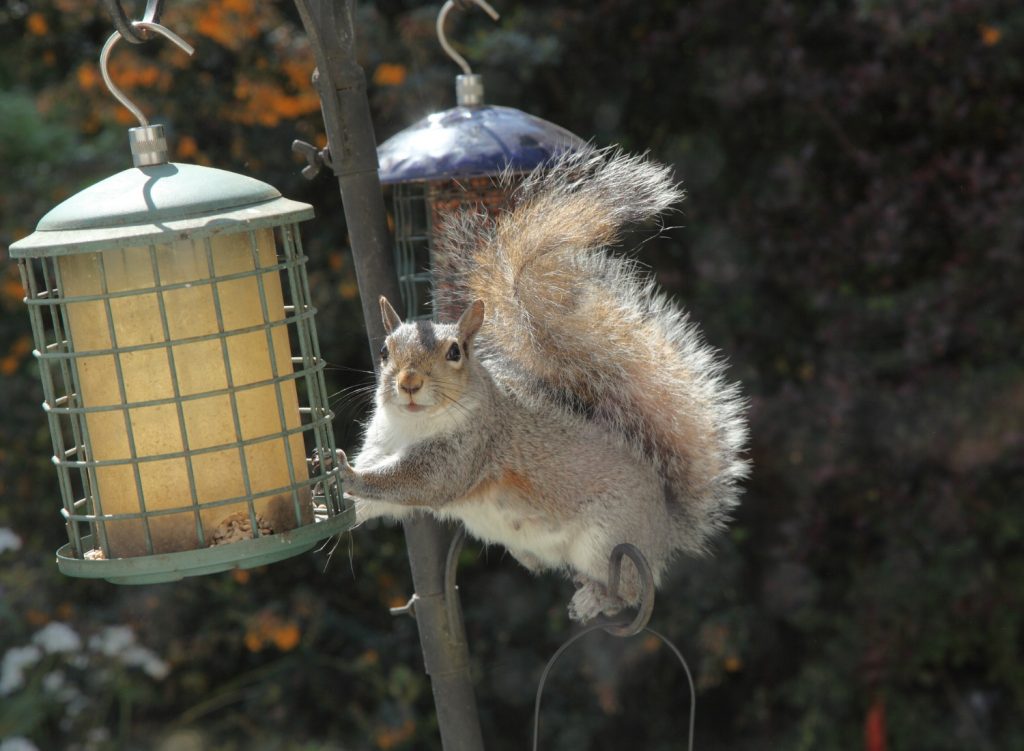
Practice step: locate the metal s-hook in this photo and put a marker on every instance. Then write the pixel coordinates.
(105, 57)
(149, 146)
(469, 87)
(459, 59)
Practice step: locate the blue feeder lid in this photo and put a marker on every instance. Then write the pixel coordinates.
(467, 141)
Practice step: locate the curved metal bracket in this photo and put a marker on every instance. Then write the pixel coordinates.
(105, 57)
(451, 589)
(126, 28)
(443, 39)
(643, 615)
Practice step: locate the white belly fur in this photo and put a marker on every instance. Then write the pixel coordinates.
(495, 517)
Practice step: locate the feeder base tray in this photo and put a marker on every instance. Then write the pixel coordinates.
(167, 567)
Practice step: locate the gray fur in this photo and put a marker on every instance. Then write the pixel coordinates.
(588, 411)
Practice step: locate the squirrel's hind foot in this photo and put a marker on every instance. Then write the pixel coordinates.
(591, 600)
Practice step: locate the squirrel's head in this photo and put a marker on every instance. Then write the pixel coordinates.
(426, 367)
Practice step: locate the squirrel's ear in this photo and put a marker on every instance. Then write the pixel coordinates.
(391, 319)
(471, 320)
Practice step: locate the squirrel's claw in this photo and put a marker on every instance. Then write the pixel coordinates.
(339, 458)
(347, 471)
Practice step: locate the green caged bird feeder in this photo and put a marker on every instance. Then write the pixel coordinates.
(181, 371)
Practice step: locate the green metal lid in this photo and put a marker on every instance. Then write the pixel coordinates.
(158, 204)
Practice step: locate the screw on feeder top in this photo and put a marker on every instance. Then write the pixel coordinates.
(148, 142)
(469, 87)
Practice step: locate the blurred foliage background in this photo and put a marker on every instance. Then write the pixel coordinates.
(853, 241)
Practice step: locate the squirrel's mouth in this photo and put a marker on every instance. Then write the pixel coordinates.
(413, 407)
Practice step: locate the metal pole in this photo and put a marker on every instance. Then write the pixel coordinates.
(352, 154)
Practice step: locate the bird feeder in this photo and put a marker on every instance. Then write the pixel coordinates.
(180, 367)
(449, 161)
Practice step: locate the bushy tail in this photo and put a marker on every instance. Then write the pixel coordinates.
(588, 330)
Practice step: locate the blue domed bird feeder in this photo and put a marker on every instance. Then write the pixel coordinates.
(449, 161)
(181, 372)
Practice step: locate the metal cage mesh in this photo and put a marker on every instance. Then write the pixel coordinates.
(414, 247)
(90, 384)
(420, 209)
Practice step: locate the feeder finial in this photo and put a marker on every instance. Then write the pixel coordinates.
(469, 87)
(148, 143)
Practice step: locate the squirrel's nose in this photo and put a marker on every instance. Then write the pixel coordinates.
(410, 382)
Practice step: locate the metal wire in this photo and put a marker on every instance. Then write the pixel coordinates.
(621, 628)
(604, 627)
(313, 366)
(122, 391)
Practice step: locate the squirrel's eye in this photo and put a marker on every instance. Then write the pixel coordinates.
(453, 353)
(384, 353)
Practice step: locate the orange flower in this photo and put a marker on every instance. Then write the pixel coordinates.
(37, 25)
(650, 644)
(389, 74)
(253, 641)
(369, 657)
(299, 72)
(88, 76)
(11, 291)
(389, 737)
(123, 117)
(187, 149)
(268, 628)
(230, 23)
(241, 7)
(287, 636)
(16, 355)
(990, 35)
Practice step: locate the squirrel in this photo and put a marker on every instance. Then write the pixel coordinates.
(572, 406)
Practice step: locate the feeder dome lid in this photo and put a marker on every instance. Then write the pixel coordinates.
(161, 203)
(468, 141)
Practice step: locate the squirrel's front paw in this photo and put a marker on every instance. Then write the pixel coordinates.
(347, 470)
(340, 460)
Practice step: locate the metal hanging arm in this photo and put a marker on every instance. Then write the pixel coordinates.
(109, 46)
(341, 84)
(126, 28)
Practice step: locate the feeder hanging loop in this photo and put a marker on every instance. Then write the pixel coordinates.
(128, 29)
(455, 56)
(469, 87)
(108, 48)
(148, 142)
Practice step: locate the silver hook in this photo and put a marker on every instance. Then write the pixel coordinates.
(459, 59)
(105, 56)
